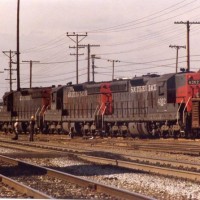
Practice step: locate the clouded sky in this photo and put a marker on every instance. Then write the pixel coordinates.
(137, 33)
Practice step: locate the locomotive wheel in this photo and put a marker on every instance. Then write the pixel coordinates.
(114, 133)
(164, 134)
(198, 134)
(170, 133)
(182, 134)
(176, 134)
(58, 131)
(51, 131)
(194, 134)
(124, 134)
(158, 134)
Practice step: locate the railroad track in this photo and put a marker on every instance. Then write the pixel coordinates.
(89, 186)
(192, 176)
(21, 189)
(170, 148)
(163, 145)
(166, 167)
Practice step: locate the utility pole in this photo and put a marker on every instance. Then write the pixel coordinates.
(10, 54)
(93, 56)
(18, 52)
(77, 48)
(113, 66)
(89, 48)
(188, 40)
(177, 48)
(31, 65)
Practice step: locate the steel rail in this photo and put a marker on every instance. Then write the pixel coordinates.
(164, 162)
(182, 150)
(158, 148)
(193, 176)
(191, 149)
(138, 159)
(23, 188)
(120, 193)
(22, 147)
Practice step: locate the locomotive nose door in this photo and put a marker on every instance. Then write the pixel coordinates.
(106, 107)
(106, 99)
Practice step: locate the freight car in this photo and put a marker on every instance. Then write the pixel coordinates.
(150, 105)
(22, 105)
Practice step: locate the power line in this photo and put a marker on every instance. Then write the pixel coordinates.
(44, 45)
(140, 19)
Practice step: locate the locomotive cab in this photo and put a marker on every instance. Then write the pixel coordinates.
(57, 98)
(53, 115)
(188, 96)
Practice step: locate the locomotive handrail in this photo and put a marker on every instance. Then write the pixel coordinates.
(36, 112)
(96, 110)
(185, 108)
(44, 113)
(178, 110)
(40, 113)
(103, 115)
(99, 109)
(41, 110)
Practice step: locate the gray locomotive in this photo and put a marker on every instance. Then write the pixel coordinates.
(21, 105)
(148, 106)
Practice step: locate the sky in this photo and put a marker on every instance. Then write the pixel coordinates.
(135, 33)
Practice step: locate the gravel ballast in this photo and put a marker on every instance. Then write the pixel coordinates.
(150, 185)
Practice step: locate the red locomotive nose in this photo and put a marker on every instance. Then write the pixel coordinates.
(106, 99)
